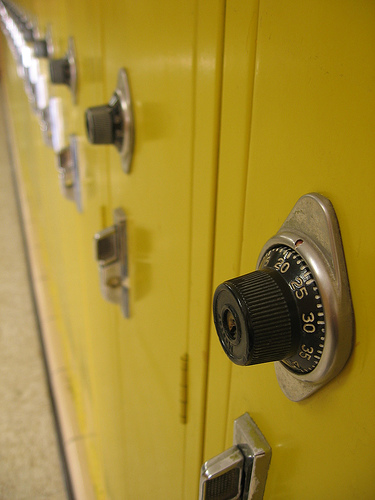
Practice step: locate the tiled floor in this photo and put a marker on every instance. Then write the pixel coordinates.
(30, 465)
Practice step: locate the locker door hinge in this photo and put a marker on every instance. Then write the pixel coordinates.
(184, 366)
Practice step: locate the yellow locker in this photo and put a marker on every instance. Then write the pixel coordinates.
(157, 45)
(240, 108)
(129, 376)
(308, 125)
(66, 236)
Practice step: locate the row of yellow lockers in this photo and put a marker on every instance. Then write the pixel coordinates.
(240, 108)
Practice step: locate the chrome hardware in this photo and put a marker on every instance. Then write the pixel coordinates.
(111, 254)
(42, 105)
(34, 71)
(113, 123)
(39, 81)
(27, 59)
(27, 55)
(296, 308)
(57, 125)
(39, 78)
(49, 42)
(41, 49)
(241, 471)
(33, 75)
(64, 71)
(312, 228)
(68, 169)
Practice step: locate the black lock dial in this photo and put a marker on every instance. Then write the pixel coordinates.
(40, 48)
(113, 123)
(60, 71)
(63, 71)
(105, 124)
(272, 314)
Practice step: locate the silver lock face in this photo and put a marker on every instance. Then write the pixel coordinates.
(112, 257)
(57, 124)
(312, 229)
(42, 98)
(295, 309)
(241, 471)
(113, 123)
(41, 82)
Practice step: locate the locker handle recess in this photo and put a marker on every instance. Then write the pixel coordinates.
(239, 473)
(112, 257)
(68, 172)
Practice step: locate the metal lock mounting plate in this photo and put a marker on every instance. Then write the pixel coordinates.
(312, 229)
(123, 92)
(71, 55)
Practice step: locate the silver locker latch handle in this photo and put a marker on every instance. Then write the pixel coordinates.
(241, 471)
(68, 171)
(111, 254)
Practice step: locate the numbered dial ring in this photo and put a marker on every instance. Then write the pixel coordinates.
(272, 314)
(305, 293)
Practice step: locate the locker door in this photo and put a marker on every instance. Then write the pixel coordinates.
(99, 382)
(88, 323)
(54, 218)
(57, 218)
(301, 74)
(65, 235)
(127, 375)
(169, 204)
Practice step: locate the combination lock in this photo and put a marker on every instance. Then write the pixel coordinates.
(295, 309)
(113, 123)
(64, 71)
